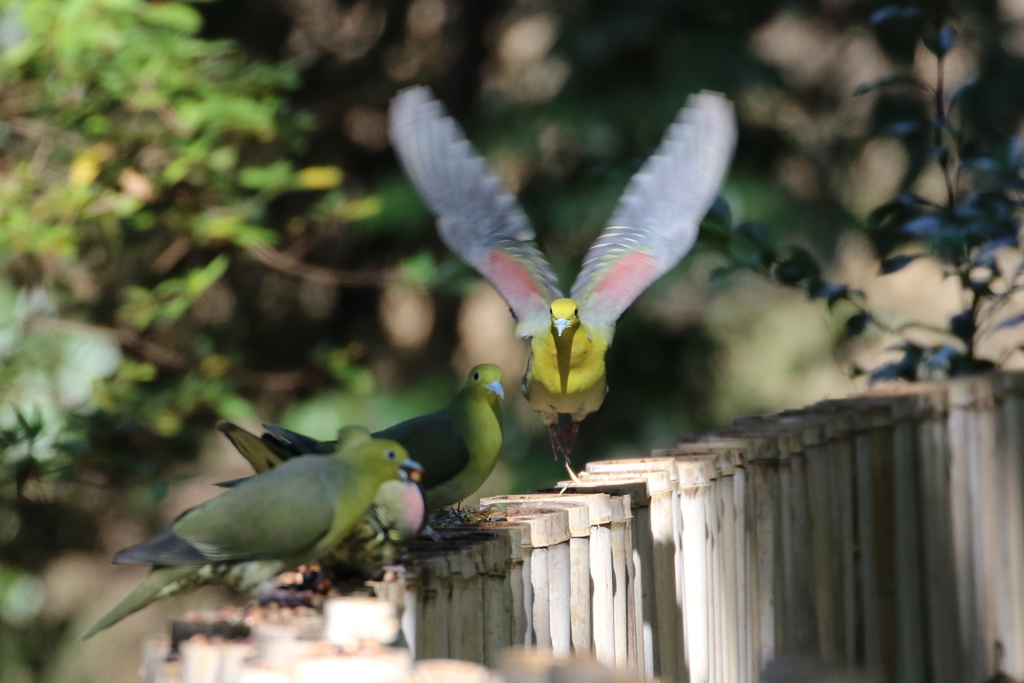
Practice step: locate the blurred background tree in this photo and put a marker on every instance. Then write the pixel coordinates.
(200, 218)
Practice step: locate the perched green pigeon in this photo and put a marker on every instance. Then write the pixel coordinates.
(396, 517)
(653, 226)
(458, 445)
(298, 512)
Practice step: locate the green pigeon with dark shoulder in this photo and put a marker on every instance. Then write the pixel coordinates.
(457, 445)
(396, 517)
(298, 512)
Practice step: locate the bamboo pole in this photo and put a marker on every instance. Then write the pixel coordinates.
(694, 479)
(434, 581)
(600, 587)
(629, 568)
(548, 603)
(577, 573)
(940, 519)
(155, 668)
(729, 659)
(984, 584)
(763, 551)
(1010, 477)
(873, 449)
(552, 539)
(657, 541)
(913, 661)
(505, 620)
(466, 628)
(520, 581)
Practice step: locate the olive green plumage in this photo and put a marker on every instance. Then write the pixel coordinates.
(457, 445)
(395, 518)
(298, 512)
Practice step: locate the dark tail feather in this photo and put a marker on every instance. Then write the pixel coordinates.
(563, 438)
(258, 452)
(163, 549)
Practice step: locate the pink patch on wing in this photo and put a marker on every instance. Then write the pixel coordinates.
(510, 277)
(628, 277)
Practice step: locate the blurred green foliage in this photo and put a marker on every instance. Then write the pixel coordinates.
(200, 218)
(971, 231)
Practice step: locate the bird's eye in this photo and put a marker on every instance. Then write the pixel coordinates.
(575, 312)
(476, 376)
(391, 454)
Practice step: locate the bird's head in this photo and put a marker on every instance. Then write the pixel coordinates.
(564, 315)
(381, 459)
(486, 377)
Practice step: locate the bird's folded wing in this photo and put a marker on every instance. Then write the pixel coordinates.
(434, 442)
(656, 220)
(280, 514)
(285, 441)
(477, 218)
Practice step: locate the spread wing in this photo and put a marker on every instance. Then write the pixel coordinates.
(477, 218)
(656, 220)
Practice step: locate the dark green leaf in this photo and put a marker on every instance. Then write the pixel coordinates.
(796, 266)
(894, 12)
(985, 257)
(960, 92)
(857, 324)
(922, 226)
(828, 291)
(910, 199)
(1012, 321)
(942, 358)
(755, 231)
(894, 371)
(720, 274)
(962, 325)
(895, 79)
(895, 263)
(968, 365)
(903, 129)
(942, 41)
(719, 213)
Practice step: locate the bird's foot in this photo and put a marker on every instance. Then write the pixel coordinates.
(563, 437)
(572, 475)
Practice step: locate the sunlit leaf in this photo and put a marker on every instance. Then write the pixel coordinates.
(319, 177)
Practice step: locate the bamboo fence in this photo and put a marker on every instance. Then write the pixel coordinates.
(883, 532)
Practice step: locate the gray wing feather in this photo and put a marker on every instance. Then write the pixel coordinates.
(660, 211)
(476, 215)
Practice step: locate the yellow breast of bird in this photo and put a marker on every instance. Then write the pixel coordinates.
(567, 375)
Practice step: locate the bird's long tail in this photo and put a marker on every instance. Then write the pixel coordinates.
(159, 583)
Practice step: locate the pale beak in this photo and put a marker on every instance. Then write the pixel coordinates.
(497, 388)
(561, 324)
(410, 470)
